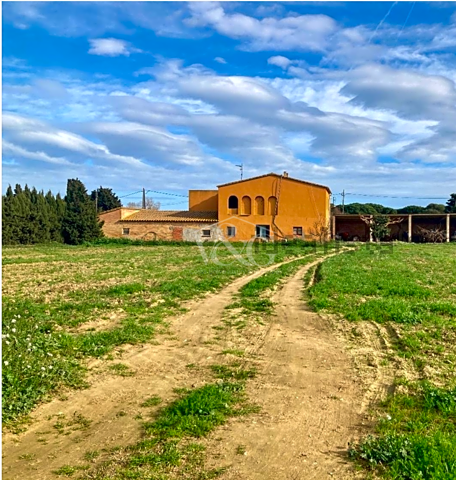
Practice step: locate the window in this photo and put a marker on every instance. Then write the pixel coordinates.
(231, 231)
(233, 202)
(206, 233)
(246, 206)
(125, 231)
(297, 231)
(262, 231)
(259, 205)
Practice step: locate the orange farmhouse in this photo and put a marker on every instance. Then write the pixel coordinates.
(271, 207)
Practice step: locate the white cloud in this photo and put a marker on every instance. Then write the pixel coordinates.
(301, 32)
(42, 137)
(220, 60)
(409, 93)
(11, 150)
(111, 47)
(279, 61)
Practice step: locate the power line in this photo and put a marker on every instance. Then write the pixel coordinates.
(153, 191)
(166, 193)
(129, 194)
(393, 196)
(173, 203)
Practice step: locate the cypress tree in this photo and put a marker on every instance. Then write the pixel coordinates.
(7, 217)
(106, 200)
(80, 221)
(55, 218)
(451, 204)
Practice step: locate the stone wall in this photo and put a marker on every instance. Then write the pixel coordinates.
(188, 231)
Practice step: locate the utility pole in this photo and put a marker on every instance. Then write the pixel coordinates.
(241, 167)
(96, 200)
(144, 199)
(343, 201)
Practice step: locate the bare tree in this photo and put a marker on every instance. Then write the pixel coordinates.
(320, 231)
(433, 235)
(378, 225)
(150, 204)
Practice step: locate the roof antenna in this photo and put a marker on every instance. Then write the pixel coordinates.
(241, 167)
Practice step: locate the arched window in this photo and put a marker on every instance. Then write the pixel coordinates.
(259, 205)
(233, 204)
(246, 205)
(272, 205)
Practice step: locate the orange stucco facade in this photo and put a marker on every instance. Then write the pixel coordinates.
(274, 206)
(202, 200)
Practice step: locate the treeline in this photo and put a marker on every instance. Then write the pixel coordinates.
(30, 216)
(374, 208)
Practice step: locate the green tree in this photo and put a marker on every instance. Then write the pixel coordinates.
(435, 208)
(366, 209)
(410, 209)
(80, 221)
(7, 217)
(451, 204)
(107, 199)
(380, 227)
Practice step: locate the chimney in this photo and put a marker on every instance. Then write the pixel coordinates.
(285, 174)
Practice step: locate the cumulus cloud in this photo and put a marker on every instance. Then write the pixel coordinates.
(279, 61)
(111, 47)
(301, 32)
(410, 93)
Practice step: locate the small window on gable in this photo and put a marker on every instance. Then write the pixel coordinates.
(297, 231)
(231, 231)
(206, 233)
(125, 231)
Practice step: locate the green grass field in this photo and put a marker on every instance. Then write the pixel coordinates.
(63, 305)
(411, 290)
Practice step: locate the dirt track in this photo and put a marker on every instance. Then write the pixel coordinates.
(309, 398)
(306, 390)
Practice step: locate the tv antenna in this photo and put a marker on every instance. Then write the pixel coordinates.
(241, 167)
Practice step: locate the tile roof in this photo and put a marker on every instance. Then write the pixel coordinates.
(171, 216)
(272, 174)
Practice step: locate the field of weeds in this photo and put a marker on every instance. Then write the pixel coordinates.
(64, 305)
(409, 291)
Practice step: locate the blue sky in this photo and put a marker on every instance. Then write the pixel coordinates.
(170, 96)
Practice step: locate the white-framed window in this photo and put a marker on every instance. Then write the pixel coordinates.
(125, 231)
(297, 231)
(206, 233)
(231, 231)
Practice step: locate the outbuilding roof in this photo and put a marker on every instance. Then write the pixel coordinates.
(171, 216)
(278, 176)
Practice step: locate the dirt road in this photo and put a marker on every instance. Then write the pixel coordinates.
(309, 398)
(306, 390)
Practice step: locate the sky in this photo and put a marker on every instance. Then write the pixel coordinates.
(170, 96)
